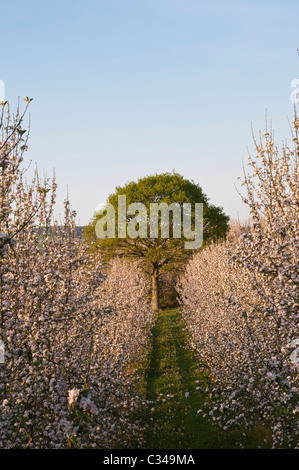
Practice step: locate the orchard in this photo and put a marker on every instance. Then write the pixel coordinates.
(88, 357)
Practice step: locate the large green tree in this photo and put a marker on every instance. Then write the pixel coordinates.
(157, 254)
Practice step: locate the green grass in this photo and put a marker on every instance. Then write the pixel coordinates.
(173, 367)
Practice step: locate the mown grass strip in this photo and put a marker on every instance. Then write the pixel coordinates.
(176, 381)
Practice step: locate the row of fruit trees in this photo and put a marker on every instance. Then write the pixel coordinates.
(70, 326)
(240, 301)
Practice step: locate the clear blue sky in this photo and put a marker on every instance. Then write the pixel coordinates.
(127, 88)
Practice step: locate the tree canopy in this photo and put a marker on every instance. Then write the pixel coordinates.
(158, 254)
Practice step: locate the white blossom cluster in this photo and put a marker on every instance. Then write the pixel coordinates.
(240, 302)
(71, 326)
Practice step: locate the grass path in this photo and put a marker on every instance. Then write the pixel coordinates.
(174, 371)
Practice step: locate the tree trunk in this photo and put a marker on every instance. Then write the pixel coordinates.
(155, 290)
